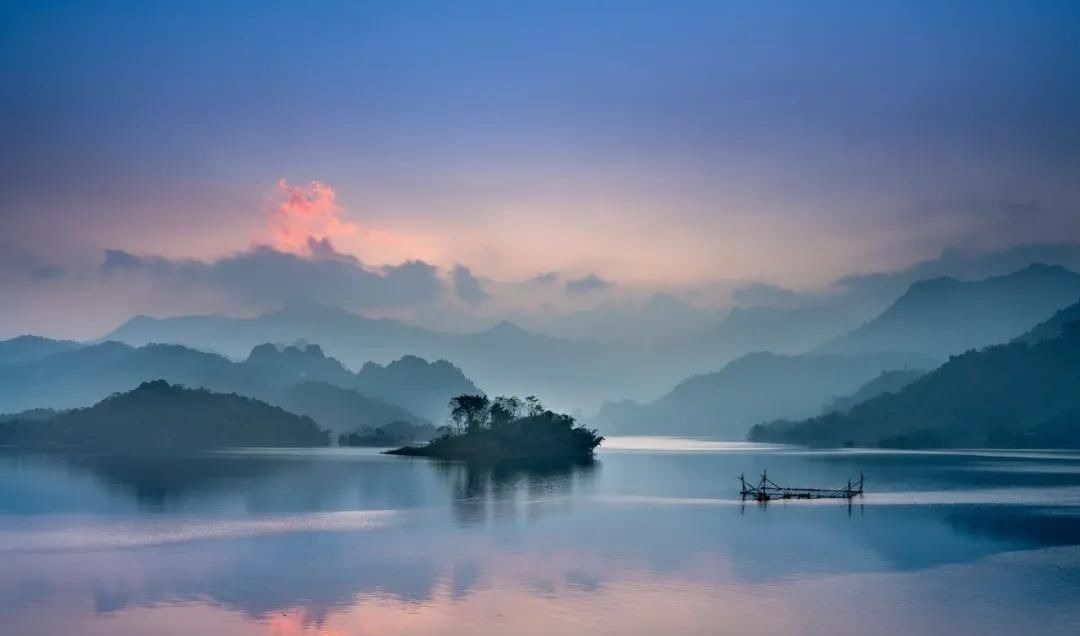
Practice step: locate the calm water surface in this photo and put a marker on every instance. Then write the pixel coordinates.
(651, 539)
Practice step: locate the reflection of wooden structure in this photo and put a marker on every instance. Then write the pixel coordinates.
(766, 490)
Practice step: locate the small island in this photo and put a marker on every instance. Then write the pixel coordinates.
(507, 429)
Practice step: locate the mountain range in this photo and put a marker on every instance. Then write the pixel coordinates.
(301, 379)
(1054, 327)
(804, 321)
(943, 316)
(781, 320)
(632, 351)
(887, 382)
(751, 389)
(30, 348)
(494, 357)
(867, 326)
(1020, 394)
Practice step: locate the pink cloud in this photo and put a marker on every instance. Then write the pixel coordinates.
(309, 219)
(307, 214)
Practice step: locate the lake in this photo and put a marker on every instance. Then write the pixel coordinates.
(650, 539)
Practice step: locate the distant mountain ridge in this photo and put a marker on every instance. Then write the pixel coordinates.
(286, 377)
(440, 380)
(944, 316)
(1011, 395)
(28, 348)
(1053, 327)
(789, 322)
(887, 382)
(811, 319)
(748, 390)
(494, 358)
(638, 351)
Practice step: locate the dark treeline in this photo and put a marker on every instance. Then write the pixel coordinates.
(160, 417)
(392, 434)
(507, 429)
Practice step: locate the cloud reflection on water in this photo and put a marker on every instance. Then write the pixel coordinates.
(640, 541)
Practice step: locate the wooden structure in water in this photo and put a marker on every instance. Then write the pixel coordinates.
(767, 490)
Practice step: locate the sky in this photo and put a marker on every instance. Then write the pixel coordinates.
(432, 158)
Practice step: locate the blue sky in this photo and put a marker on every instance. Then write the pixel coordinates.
(651, 142)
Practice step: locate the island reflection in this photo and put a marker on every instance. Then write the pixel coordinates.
(359, 543)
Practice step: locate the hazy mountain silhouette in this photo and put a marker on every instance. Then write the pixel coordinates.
(27, 348)
(944, 316)
(633, 349)
(302, 380)
(781, 330)
(425, 388)
(753, 388)
(291, 364)
(30, 415)
(805, 320)
(333, 328)
(964, 265)
(887, 382)
(1013, 395)
(768, 318)
(1054, 326)
(495, 358)
(339, 409)
(157, 416)
(83, 376)
(422, 387)
(659, 318)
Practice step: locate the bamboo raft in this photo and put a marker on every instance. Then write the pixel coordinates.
(767, 490)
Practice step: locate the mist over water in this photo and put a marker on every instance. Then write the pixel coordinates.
(651, 536)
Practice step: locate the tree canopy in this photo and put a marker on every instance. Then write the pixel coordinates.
(507, 428)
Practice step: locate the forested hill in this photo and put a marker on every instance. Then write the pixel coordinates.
(1013, 395)
(1053, 328)
(161, 417)
(887, 382)
(754, 388)
(29, 348)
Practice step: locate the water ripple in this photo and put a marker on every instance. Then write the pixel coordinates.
(80, 534)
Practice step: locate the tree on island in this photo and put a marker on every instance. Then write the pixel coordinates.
(507, 428)
(469, 412)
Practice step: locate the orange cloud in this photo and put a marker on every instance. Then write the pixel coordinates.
(305, 214)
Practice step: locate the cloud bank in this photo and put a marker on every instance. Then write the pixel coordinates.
(467, 287)
(587, 285)
(266, 276)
